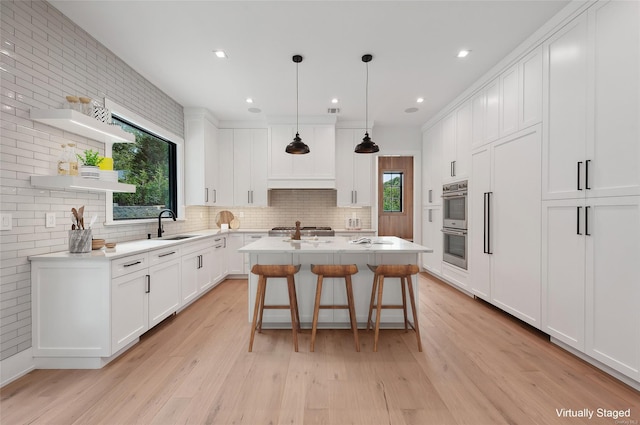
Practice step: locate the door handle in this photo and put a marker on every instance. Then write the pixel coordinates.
(453, 163)
(579, 164)
(578, 220)
(148, 288)
(489, 195)
(586, 175)
(206, 194)
(215, 196)
(430, 195)
(430, 216)
(586, 221)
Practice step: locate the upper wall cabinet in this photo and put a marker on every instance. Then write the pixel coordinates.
(510, 103)
(201, 151)
(315, 170)
(354, 171)
(249, 167)
(456, 143)
(432, 165)
(592, 91)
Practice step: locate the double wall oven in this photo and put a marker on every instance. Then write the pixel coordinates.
(454, 225)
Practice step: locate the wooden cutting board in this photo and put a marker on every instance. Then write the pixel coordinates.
(224, 217)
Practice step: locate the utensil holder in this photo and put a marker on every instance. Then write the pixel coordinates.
(80, 241)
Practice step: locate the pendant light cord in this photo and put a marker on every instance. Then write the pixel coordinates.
(297, 97)
(366, 101)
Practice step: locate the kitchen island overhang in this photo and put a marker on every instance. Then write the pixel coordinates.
(330, 250)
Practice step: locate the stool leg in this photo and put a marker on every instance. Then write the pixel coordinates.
(415, 314)
(293, 307)
(373, 298)
(378, 311)
(264, 290)
(352, 311)
(295, 298)
(316, 311)
(256, 309)
(404, 304)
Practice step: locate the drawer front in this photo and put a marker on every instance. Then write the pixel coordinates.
(188, 248)
(159, 256)
(130, 264)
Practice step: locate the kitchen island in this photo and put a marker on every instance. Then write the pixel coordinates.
(330, 250)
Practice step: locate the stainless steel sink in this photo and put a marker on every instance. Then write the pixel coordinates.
(179, 237)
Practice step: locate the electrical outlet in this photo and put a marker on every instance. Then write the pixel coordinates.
(50, 220)
(5, 221)
(241, 214)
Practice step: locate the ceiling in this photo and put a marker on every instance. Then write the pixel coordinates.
(414, 46)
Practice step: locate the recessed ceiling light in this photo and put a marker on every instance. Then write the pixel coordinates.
(420, 100)
(463, 53)
(221, 54)
(334, 100)
(249, 100)
(411, 110)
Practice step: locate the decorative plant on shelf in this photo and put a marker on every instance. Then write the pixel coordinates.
(90, 158)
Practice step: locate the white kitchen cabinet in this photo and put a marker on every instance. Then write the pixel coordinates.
(314, 170)
(235, 259)
(485, 111)
(249, 167)
(432, 166)
(219, 259)
(196, 270)
(354, 172)
(504, 230)
(248, 238)
(201, 155)
(592, 88)
(456, 143)
(164, 283)
(129, 308)
(432, 238)
(530, 93)
(223, 194)
(590, 273)
(509, 101)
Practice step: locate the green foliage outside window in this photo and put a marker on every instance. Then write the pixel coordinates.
(392, 192)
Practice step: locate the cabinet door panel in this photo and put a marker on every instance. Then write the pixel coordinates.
(516, 223)
(566, 135)
(492, 112)
(448, 146)
(189, 283)
(223, 192)
(530, 103)
(479, 224)
(509, 101)
(612, 276)
(259, 152)
(164, 295)
(615, 149)
(129, 314)
(280, 162)
(563, 261)
(463, 141)
(432, 238)
(478, 113)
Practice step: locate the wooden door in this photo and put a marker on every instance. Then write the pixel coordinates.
(395, 196)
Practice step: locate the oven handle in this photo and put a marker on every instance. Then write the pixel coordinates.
(455, 194)
(454, 232)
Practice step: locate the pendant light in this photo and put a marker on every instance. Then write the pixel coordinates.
(367, 145)
(297, 147)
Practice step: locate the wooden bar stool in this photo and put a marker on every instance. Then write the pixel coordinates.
(275, 271)
(403, 272)
(335, 270)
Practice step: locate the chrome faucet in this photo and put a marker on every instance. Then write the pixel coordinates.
(160, 228)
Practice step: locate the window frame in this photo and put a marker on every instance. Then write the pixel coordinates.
(137, 120)
(401, 194)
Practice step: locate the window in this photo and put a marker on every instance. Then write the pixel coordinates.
(150, 165)
(392, 191)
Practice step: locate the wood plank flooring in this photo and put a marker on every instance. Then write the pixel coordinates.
(479, 366)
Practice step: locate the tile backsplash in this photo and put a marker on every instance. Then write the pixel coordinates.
(312, 207)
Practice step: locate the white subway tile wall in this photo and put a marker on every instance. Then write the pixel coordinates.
(44, 57)
(286, 206)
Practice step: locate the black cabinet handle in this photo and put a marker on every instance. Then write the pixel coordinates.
(484, 223)
(586, 175)
(579, 164)
(215, 196)
(586, 221)
(206, 194)
(578, 220)
(430, 195)
(132, 264)
(148, 289)
(166, 254)
(487, 223)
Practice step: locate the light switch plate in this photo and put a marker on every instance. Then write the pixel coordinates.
(5, 222)
(50, 220)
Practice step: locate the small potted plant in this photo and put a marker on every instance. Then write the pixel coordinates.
(90, 161)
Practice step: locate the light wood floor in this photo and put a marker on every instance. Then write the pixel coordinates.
(479, 366)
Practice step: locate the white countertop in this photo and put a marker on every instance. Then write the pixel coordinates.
(336, 244)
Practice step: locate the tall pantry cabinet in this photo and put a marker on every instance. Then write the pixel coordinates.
(591, 183)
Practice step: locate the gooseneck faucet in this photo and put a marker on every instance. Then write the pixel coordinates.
(160, 228)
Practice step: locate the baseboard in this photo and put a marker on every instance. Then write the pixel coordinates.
(16, 366)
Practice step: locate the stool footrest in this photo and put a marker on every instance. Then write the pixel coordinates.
(276, 307)
(332, 307)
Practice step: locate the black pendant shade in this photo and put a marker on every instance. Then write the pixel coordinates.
(297, 147)
(367, 145)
